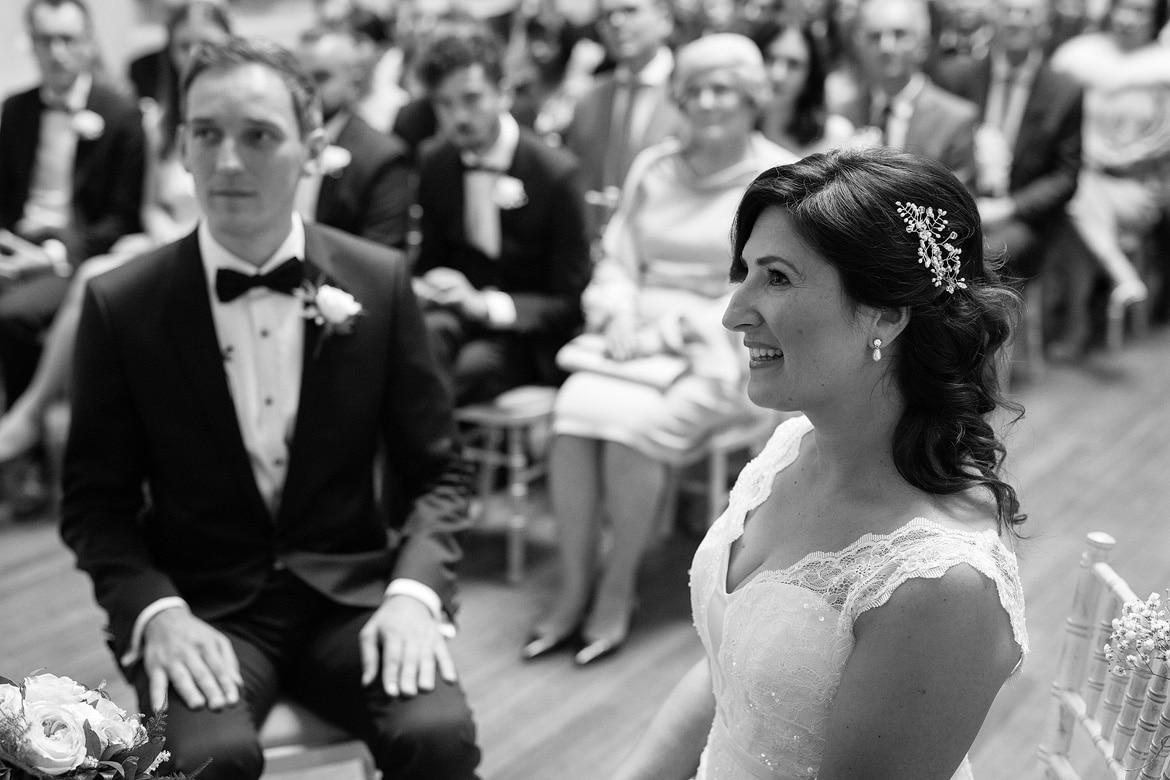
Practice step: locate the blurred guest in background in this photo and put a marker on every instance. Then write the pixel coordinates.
(626, 110)
(364, 183)
(155, 75)
(1070, 18)
(657, 290)
(796, 117)
(898, 100)
(964, 29)
(72, 160)
(169, 211)
(1122, 192)
(1028, 147)
(550, 66)
(504, 254)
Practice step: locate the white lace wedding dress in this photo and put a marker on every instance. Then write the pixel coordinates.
(779, 643)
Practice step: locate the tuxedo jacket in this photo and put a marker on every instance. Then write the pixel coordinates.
(941, 127)
(372, 195)
(107, 171)
(544, 262)
(1046, 158)
(153, 416)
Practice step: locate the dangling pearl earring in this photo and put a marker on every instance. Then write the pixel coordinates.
(877, 350)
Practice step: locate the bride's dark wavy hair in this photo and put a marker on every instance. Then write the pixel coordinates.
(843, 204)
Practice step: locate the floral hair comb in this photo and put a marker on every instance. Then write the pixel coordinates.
(938, 254)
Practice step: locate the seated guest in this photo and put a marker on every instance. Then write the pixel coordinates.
(796, 117)
(365, 182)
(168, 213)
(1028, 149)
(72, 157)
(898, 102)
(504, 255)
(658, 289)
(265, 562)
(628, 108)
(1122, 192)
(155, 75)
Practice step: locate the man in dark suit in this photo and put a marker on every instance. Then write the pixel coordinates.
(504, 256)
(366, 183)
(898, 99)
(72, 155)
(246, 379)
(1029, 146)
(627, 109)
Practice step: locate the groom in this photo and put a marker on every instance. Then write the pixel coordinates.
(233, 420)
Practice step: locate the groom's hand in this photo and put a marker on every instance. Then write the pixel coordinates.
(402, 640)
(181, 650)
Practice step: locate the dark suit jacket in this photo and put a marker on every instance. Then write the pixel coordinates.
(1047, 154)
(544, 261)
(152, 406)
(107, 172)
(942, 127)
(371, 197)
(588, 136)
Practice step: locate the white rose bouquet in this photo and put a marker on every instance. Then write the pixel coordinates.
(53, 727)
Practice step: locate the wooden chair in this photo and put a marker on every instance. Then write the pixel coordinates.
(500, 434)
(297, 741)
(1126, 717)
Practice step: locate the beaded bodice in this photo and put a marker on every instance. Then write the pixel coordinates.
(777, 645)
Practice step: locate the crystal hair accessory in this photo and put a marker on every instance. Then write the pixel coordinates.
(938, 254)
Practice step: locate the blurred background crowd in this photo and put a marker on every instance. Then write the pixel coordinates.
(562, 176)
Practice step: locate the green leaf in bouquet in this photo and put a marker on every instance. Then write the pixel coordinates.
(144, 755)
(93, 743)
(5, 681)
(109, 770)
(130, 766)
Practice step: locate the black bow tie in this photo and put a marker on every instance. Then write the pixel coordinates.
(285, 278)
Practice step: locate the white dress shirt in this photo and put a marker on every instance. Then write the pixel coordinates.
(481, 212)
(50, 195)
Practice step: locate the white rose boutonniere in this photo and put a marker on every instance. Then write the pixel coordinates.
(334, 159)
(508, 193)
(332, 308)
(88, 125)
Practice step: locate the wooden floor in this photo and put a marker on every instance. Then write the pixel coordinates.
(1093, 452)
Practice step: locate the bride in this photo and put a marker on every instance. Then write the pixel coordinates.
(859, 600)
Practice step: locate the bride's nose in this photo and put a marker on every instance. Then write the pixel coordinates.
(741, 314)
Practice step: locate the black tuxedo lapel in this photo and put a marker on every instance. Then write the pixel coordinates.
(319, 355)
(24, 136)
(192, 329)
(87, 148)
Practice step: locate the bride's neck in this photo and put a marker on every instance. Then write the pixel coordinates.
(855, 453)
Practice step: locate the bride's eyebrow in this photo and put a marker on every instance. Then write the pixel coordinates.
(765, 261)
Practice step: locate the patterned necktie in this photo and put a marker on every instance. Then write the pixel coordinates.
(285, 278)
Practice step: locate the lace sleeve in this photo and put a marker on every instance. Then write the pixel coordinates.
(922, 549)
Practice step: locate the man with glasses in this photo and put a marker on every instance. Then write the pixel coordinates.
(72, 155)
(628, 109)
(898, 100)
